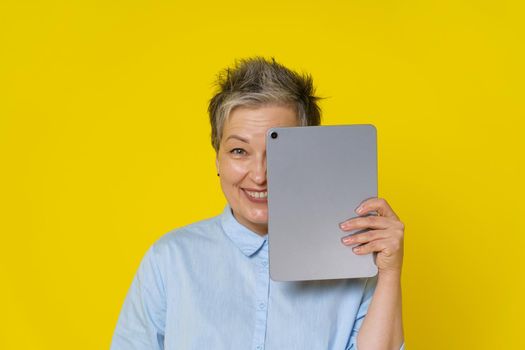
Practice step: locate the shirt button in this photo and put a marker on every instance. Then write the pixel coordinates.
(262, 306)
(259, 347)
(264, 263)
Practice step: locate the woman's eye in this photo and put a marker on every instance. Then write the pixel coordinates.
(237, 151)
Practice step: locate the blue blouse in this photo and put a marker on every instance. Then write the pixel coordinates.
(207, 286)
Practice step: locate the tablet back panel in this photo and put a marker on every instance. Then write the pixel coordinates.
(317, 176)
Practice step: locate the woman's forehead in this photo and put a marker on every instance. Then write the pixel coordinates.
(260, 119)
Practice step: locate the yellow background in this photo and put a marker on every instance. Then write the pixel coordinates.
(104, 147)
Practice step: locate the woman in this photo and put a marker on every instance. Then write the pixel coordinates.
(206, 285)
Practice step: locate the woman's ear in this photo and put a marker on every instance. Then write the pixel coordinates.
(217, 164)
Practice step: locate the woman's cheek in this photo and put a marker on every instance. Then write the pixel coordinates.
(235, 170)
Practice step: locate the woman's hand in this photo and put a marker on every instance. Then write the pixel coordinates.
(384, 237)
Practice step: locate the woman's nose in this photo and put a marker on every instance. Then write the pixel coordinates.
(259, 171)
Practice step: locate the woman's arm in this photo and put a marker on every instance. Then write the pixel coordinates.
(142, 319)
(382, 328)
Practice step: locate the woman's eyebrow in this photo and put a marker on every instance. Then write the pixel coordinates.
(237, 137)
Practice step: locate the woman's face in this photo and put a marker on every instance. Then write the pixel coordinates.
(241, 161)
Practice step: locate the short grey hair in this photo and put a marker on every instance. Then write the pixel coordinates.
(256, 81)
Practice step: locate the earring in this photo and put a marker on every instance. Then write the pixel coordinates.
(218, 174)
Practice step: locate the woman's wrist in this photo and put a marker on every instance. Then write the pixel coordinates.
(389, 275)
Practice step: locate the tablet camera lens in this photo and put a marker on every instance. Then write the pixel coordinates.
(274, 135)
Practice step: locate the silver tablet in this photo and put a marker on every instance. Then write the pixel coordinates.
(317, 176)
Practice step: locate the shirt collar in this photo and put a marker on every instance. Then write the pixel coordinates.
(245, 239)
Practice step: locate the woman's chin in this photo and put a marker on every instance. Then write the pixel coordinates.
(261, 219)
(258, 216)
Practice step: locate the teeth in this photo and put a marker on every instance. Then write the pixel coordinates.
(258, 194)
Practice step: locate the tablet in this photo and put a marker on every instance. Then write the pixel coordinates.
(317, 176)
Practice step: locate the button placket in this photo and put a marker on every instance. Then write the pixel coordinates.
(261, 298)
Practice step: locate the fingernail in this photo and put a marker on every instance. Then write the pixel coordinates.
(346, 240)
(355, 249)
(343, 224)
(359, 210)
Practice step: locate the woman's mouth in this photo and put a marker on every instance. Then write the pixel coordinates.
(256, 196)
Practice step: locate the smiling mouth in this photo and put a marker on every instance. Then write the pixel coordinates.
(257, 196)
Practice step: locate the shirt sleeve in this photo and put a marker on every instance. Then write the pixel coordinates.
(141, 322)
(370, 287)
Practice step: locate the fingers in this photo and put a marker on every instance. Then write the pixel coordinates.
(362, 222)
(365, 237)
(374, 246)
(383, 234)
(387, 247)
(376, 204)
